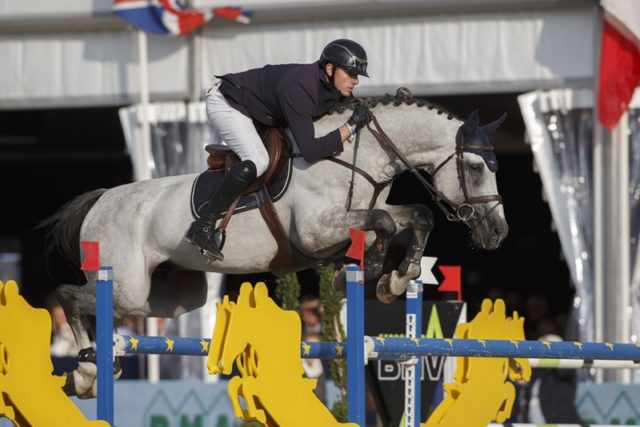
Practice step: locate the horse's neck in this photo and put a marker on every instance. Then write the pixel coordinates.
(423, 136)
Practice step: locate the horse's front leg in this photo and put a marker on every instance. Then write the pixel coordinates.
(420, 220)
(383, 225)
(377, 220)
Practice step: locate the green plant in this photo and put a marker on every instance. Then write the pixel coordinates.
(332, 330)
(288, 292)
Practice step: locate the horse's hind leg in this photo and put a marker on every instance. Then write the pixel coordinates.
(77, 302)
(420, 219)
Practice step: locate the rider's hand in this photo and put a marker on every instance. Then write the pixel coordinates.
(361, 116)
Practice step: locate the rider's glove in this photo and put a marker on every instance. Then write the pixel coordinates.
(361, 116)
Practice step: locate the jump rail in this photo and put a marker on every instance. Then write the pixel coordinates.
(541, 354)
(360, 348)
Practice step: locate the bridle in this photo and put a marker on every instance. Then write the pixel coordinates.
(463, 212)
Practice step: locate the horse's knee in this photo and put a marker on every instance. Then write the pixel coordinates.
(384, 223)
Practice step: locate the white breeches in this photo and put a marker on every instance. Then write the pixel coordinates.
(235, 130)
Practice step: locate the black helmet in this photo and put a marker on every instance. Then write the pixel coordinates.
(347, 54)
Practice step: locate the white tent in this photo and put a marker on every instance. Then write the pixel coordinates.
(77, 53)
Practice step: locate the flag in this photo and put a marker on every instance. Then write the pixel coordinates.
(619, 59)
(452, 279)
(356, 250)
(171, 17)
(91, 260)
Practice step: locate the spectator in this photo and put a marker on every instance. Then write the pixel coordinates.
(130, 363)
(551, 394)
(311, 315)
(128, 326)
(313, 367)
(63, 343)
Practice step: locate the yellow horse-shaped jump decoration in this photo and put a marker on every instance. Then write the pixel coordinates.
(264, 341)
(481, 392)
(29, 395)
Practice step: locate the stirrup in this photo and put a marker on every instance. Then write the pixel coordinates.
(212, 248)
(213, 254)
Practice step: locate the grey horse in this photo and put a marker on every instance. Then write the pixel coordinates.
(140, 226)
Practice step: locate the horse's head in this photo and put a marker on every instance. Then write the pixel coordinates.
(519, 368)
(466, 182)
(231, 335)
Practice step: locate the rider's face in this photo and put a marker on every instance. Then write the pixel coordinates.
(343, 80)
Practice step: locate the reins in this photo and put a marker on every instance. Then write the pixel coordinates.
(353, 171)
(463, 212)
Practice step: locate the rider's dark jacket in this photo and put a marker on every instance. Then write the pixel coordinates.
(292, 95)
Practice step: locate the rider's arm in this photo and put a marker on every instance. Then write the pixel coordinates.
(298, 106)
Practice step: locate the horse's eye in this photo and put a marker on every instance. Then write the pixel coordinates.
(477, 167)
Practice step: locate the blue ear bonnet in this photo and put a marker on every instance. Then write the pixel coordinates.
(479, 139)
(473, 138)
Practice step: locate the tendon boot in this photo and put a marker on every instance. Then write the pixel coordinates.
(202, 232)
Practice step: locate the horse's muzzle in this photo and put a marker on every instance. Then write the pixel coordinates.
(490, 233)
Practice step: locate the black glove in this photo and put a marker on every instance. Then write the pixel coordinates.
(361, 116)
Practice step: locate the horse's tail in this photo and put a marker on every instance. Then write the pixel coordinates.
(62, 239)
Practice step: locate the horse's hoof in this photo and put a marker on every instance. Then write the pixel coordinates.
(339, 280)
(383, 290)
(69, 386)
(85, 391)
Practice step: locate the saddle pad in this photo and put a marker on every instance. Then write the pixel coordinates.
(208, 181)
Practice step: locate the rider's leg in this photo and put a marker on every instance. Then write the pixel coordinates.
(239, 134)
(202, 233)
(236, 130)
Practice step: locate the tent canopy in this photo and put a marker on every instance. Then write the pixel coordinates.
(78, 54)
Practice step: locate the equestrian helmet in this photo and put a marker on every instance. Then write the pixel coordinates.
(347, 54)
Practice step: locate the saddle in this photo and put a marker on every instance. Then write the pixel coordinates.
(278, 147)
(280, 153)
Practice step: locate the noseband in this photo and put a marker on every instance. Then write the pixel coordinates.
(455, 213)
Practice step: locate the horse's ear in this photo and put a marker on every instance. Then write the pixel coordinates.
(488, 129)
(472, 121)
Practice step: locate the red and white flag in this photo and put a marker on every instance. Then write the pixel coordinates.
(619, 59)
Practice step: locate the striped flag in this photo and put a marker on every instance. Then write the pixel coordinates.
(172, 17)
(619, 59)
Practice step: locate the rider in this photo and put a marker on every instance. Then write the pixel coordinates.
(292, 95)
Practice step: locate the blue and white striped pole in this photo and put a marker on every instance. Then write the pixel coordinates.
(355, 346)
(560, 355)
(413, 367)
(403, 349)
(104, 344)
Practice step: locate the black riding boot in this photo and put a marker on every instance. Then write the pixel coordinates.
(201, 233)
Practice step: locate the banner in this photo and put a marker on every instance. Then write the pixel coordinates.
(385, 378)
(171, 17)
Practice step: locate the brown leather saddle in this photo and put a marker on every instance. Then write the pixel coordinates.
(279, 148)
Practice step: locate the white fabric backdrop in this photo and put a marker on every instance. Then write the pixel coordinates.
(430, 54)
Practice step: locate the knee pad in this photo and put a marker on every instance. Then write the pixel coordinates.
(247, 170)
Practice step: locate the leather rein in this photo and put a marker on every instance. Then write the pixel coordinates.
(455, 213)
